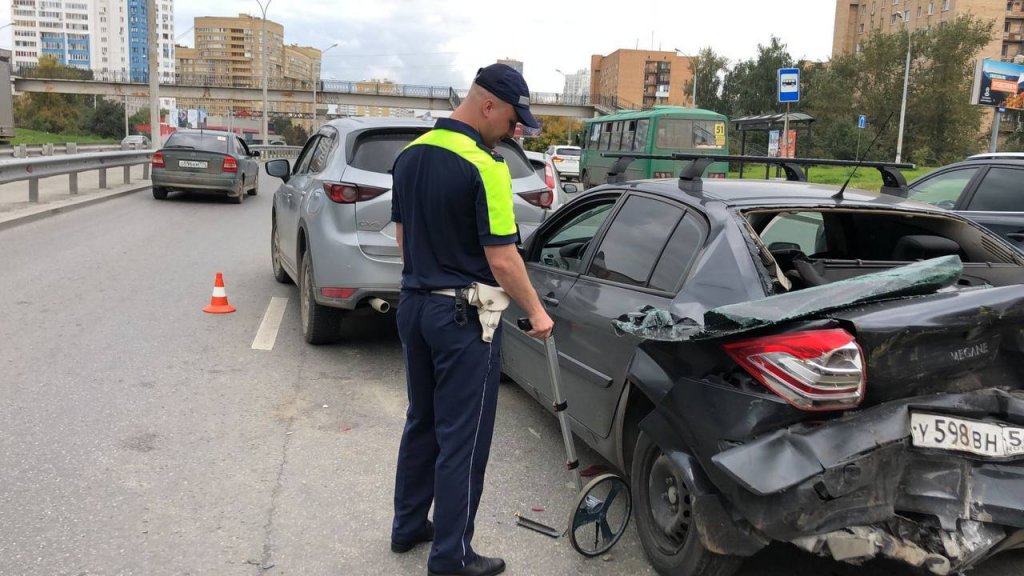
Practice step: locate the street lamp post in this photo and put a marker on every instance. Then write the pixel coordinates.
(905, 19)
(569, 133)
(263, 60)
(693, 101)
(316, 80)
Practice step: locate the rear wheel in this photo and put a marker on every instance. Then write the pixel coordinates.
(255, 187)
(240, 196)
(159, 192)
(320, 324)
(585, 180)
(664, 518)
(275, 255)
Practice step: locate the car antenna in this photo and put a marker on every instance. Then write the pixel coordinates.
(839, 195)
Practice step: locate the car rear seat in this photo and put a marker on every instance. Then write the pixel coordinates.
(923, 247)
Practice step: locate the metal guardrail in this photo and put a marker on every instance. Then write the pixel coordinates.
(71, 165)
(26, 151)
(271, 152)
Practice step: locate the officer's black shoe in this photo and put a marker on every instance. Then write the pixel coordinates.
(426, 536)
(482, 566)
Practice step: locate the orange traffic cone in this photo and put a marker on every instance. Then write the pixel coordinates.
(219, 300)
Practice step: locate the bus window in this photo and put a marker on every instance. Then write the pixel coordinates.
(674, 134)
(616, 136)
(704, 134)
(640, 140)
(595, 135)
(627, 135)
(606, 135)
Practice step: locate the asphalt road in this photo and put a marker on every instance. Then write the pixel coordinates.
(139, 435)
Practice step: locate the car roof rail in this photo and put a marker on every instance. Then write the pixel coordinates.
(995, 155)
(893, 181)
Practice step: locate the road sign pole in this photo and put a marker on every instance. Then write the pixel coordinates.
(996, 118)
(785, 132)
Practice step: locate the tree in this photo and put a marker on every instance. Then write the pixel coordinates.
(54, 113)
(555, 130)
(750, 87)
(706, 68)
(106, 119)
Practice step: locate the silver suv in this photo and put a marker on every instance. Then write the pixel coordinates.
(331, 226)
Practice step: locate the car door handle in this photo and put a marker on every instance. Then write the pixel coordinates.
(549, 300)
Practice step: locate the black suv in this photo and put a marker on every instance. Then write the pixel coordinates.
(987, 188)
(788, 361)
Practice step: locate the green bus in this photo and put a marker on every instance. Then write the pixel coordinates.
(660, 130)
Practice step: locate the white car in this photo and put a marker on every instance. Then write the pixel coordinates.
(566, 159)
(545, 169)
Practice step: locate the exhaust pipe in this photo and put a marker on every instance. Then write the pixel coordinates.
(380, 305)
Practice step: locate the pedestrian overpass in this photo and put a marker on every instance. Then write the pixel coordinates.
(281, 90)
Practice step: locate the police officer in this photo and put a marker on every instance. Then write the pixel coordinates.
(452, 205)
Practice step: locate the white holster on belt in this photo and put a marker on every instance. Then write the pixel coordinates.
(490, 301)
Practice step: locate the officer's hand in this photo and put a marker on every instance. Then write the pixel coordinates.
(541, 325)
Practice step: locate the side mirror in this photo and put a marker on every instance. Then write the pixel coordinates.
(279, 168)
(255, 153)
(570, 188)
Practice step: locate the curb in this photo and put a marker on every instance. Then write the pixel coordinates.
(33, 214)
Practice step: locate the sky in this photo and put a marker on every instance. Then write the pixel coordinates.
(443, 43)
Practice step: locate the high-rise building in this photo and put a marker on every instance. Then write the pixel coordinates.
(228, 51)
(517, 64)
(577, 85)
(109, 37)
(635, 79)
(375, 86)
(857, 20)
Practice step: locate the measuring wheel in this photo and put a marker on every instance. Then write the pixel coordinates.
(600, 515)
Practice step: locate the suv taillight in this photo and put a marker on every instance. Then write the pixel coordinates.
(351, 193)
(812, 370)
(158, 160)
(542, 198)
(230, 164)
(549, 177)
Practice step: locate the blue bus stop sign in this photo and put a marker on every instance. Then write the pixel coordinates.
(862, 121)
(789, 84)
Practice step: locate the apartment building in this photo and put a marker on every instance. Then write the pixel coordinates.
(228, 51)
(109, 37)
(856, 20)
(577, 85)
(639, 79)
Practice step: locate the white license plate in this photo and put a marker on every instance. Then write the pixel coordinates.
(191, 164)
(962, 435)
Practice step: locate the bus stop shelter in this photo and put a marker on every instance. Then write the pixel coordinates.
(798, 121)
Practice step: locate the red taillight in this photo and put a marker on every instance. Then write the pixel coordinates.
(351, 193)
(230, 164)
(337, 292)
(813, 370)
(158, 160)
(549, 177)
(541, 198)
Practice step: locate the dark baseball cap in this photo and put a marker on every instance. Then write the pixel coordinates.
(508, 84)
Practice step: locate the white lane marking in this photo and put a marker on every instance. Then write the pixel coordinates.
(266, 335)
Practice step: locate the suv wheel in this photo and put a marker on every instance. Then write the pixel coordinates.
(664, 522)
(159, 192)
(320, 324)
(275, 255)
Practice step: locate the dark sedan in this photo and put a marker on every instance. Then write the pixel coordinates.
(207, 161)
(784, 361)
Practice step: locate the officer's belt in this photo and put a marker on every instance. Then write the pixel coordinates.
(490, 301)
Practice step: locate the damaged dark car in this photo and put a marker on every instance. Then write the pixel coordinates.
(783, 361)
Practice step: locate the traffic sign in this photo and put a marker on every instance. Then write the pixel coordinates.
(789, 84)
(862, 121)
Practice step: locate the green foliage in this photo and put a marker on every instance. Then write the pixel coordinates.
(709, 67)
(750, 87)
(54, 113)
(106, 119)
(555, 130)
(32, 137)
(941, 125)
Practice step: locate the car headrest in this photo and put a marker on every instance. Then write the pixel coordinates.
(923, 247)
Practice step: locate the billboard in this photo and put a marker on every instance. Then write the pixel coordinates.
(187, 118)
(998, 84)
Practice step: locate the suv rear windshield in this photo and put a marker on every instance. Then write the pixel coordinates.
(567, 151)
(198, 141)
(377, 151)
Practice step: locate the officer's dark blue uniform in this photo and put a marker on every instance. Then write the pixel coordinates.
(453, 196)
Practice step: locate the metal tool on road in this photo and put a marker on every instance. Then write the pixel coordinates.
(602, 508)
